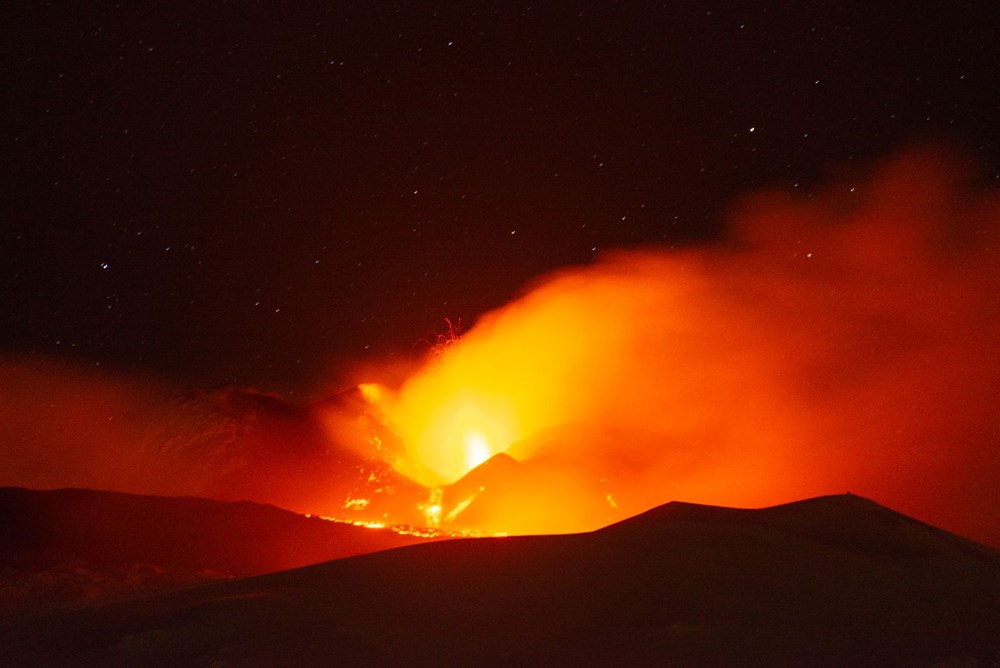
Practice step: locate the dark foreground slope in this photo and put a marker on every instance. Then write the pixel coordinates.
(830, 581)
(62, 546)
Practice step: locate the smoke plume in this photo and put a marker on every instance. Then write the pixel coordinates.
(844, 340)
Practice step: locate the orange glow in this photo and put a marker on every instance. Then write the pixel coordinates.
(373, 392)
(432, 509)
(843, 340)
(477, 449)
(840, 342)
(449, 435)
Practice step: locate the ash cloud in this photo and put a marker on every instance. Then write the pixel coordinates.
(840, 341)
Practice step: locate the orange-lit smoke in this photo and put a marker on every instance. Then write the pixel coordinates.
(840, 341)
(64, 425)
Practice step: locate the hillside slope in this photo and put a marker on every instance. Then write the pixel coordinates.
(830, 581)
(61, 546)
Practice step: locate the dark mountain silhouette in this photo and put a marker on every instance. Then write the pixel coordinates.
(66, 545)
(827, 582)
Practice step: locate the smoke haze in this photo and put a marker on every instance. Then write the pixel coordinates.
(842, 341)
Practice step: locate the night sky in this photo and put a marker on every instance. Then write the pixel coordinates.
(254, 193)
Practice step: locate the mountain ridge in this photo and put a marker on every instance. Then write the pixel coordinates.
(705, 587)
(70, 545)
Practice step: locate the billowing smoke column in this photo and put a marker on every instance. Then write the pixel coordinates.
(842, 341)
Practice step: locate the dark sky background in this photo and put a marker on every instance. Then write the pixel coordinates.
(247, 193)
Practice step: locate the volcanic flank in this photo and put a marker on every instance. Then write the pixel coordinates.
(63, 546)
(829, 581)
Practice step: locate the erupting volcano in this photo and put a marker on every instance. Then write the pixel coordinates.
(499, 333)
(836, 342)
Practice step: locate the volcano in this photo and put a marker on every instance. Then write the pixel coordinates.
(834, 580)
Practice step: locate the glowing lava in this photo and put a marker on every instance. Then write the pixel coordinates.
(477, 449)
